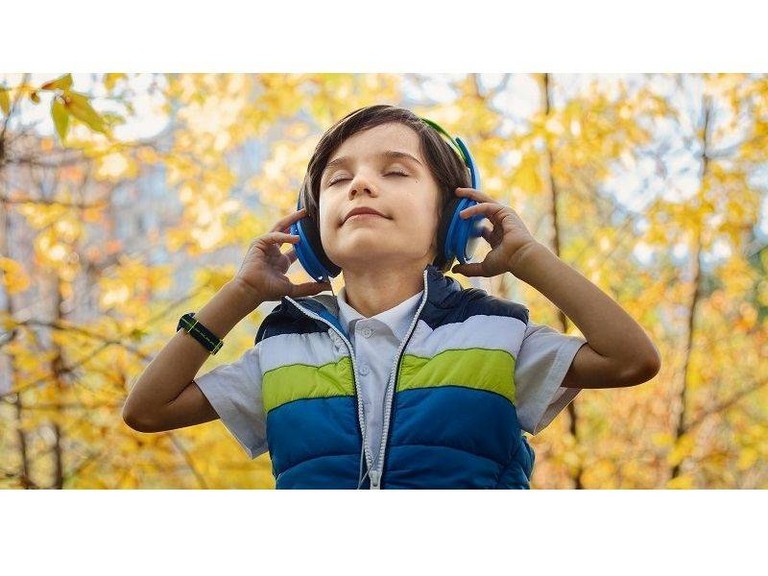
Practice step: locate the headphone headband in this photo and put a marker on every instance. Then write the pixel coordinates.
(462, 150)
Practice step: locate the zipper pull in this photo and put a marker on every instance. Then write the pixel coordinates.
(375, 477)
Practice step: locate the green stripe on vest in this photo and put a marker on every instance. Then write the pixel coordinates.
(299, 381)
(478, 368)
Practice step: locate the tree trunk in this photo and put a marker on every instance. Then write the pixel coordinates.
(576, 475)
(680, 428)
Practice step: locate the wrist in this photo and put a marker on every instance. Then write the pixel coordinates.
(227, 308)
(244, 294)
(520, 260)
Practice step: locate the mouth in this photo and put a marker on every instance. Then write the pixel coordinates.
(365, 216)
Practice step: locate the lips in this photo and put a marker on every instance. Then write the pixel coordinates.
(362, 210)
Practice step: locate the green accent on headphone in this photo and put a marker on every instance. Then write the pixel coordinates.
(439, 128)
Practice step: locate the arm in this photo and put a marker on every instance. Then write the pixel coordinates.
(618, 352)
(165, 396)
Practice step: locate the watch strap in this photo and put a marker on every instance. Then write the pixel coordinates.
(199, 332)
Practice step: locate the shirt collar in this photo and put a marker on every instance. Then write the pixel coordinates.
(444, 294)
(398, 318)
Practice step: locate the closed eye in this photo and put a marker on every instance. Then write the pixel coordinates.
(387, 174)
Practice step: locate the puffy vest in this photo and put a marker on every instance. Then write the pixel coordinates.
(450, 419)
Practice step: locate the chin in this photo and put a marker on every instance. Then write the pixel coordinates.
(368, 254)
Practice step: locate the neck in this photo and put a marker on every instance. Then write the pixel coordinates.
(372, 290)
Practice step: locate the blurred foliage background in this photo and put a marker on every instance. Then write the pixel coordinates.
(129, 199)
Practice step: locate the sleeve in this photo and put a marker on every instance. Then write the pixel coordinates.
(541, 364)
(234, 391)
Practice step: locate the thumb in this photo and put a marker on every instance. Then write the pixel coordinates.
(471, 269)
(310, 288)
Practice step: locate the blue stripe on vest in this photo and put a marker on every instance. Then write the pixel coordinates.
(313, 434)
(450, 436)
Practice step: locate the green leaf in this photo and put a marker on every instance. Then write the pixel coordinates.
(80, 108)
(61, 83)
(60, 118)
(5, 103)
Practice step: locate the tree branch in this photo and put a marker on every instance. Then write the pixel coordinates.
(724, 405)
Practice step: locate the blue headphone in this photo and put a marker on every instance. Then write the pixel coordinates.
(458, 236)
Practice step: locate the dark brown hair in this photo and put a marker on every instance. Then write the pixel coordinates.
(445, 164)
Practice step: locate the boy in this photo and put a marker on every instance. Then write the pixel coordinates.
(404, 374)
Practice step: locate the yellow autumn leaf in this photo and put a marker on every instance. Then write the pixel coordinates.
(683, 449)
(7, 322)
(60, 118)
(111, 78)
(5, 103)
(662, 439)
(747, 458)
(681, 482)
(77, 104)
(62, 83)
(14, 278)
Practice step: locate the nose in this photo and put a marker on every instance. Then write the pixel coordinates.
(360, 183)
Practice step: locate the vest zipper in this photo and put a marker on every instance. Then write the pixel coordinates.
(390, 392)
(360, 412)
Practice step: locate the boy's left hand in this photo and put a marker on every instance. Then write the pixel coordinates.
(508, 236)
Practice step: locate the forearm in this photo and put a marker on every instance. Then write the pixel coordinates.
(610, 331)
(179, 361)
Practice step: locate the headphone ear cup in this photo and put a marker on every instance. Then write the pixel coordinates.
(309, 249)
(315, 245)
(463, 233)
(310, 253)
(444, 256)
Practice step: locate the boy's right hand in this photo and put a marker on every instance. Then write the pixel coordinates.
(264, 267)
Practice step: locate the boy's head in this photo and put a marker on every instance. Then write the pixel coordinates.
(411, 194)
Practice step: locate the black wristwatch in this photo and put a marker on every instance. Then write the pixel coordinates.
(208, 339)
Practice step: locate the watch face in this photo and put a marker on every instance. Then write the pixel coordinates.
(182, 323)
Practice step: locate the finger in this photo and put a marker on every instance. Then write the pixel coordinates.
(291, 218)
(291, 255)
(309, 288)
(280, 238)
(488, 209)
(469, 269)
(286, 222)
(474, 194)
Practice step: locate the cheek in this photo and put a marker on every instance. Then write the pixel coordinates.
(423, 223)
(322, 221)
(326, 219)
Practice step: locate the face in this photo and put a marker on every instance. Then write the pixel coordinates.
(365, 172)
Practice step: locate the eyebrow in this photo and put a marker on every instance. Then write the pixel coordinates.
(391, 154)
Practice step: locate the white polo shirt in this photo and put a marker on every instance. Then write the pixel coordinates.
(234, 390)
(376, 341)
